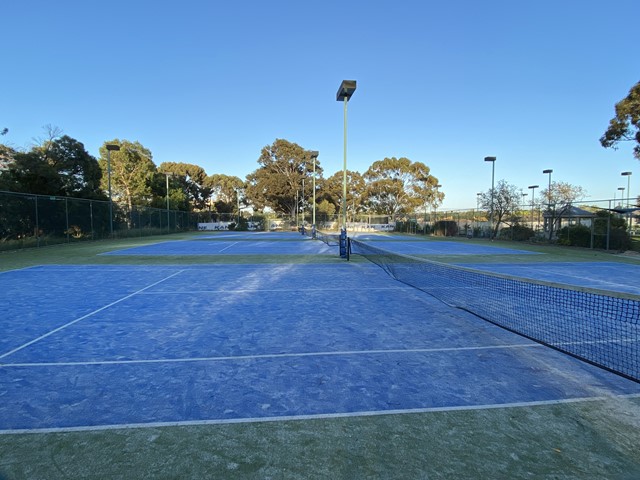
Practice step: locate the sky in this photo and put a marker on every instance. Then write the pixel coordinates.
(445, 83)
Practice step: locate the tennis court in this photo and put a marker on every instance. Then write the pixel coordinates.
(231, 243)
(89, 348)
(413, 245)
(624, 278)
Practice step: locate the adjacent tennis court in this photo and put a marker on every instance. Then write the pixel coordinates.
(98, 348)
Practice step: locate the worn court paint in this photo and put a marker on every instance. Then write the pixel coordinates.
(392, 348)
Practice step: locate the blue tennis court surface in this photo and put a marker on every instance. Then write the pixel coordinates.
(616, 277)
(413, 246)
(103, 346)
(225, 244)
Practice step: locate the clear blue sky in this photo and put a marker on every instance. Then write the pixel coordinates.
(445, 83)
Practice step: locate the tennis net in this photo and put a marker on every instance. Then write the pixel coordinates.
(599, 327)
(331, 239)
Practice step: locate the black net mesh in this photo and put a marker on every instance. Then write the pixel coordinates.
(598, 327)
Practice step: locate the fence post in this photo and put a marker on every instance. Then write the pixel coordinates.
(37, 223)
(66, 213)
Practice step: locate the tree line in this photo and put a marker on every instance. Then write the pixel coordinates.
(60, 165)
(282, 183)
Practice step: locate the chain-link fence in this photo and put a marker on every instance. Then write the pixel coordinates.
(602, 224)
(29, 220)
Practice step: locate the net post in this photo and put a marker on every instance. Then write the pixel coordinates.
(343, 243)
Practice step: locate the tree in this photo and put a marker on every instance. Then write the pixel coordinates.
(79, 172)
(398, 185)
(7, 155)
(274, 184)
(625, 126)
(132, 172)
(503, 200)
(224, 191)
(30, 173)
(58, 166)
(558, 200)
(193, 178)
(332, 189)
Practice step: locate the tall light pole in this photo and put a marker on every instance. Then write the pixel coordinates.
(314, 156)
(551, 219)
(302, 202)
(478, 195)
(168, 222)
(238, 204)
(621, 189)
(533, 200)
(110, 148)
(523, 204)
(435, 203)
(628, 175)
(493, 171)
(347, 87)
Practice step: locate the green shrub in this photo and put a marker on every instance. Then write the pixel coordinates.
(519, 233)
(575, 236)
(445, 228)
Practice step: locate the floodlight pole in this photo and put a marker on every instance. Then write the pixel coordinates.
(621, 196)
(168, 220)
(533, 200)
(347, 87)
(551, 219)
(115, 148)
(238, 203)
(628, 175)
(314, 157)
(478, 207)
(493, 171)
(435, 204)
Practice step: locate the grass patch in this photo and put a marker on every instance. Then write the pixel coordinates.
(588, 440)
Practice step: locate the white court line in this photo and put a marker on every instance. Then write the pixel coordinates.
(86, 316)
(19, 269)
(225, 248)
(271, 290)
(267, 356)
(320, 416)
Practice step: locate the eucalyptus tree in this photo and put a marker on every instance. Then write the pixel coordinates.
(398, 185)
(625, 126)
(132, 172)
(278, 182)
(191, 180)
(224, 191)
